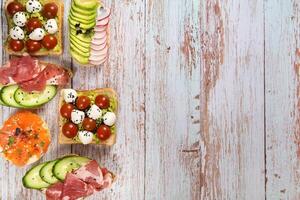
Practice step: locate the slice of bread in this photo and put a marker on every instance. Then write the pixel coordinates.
(60, 16)
(64, 140)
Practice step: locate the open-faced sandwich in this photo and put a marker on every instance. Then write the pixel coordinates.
(88, 116)
(69, 177)
(88, 32)
(26, 82)
(24, 138)
(35, 27)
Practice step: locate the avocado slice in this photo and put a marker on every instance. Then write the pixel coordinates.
(82, 11)
(75, 43)
(75, 23)
(79, 58)
(82, 21)
(86, 38)
(79, 49)
(89, 16)
(86, 4)
(79, 42)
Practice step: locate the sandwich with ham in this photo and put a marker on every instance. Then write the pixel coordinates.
(26, 82)
(69, 177)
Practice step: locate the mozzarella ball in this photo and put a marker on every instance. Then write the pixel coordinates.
(94, 112)
(33, 6)
(77, 116)
(70, 95)
(19, 19)
(86, 137)
(16, 33)
(109, 118)
(37, 34)
(51, 26)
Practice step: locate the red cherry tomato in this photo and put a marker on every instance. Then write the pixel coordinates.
(33, 23)
(50, 10)
(16, 45)
(66, 110)
(104, 171)
(89, 124)
(102, 101)
(70, 130)
(14, 7)
(33, 46)
(83, 102)
(49, 41)
(103, 132)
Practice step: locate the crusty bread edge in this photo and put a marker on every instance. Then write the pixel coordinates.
(59, 39)
(33, 158)
(64, 140)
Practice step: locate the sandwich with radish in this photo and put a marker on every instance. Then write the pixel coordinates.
(89, 32)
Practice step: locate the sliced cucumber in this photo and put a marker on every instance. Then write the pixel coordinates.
(35, 99)
(7, 96)
(46, 172)
(68, 164)
(33, 180)
(1, 102)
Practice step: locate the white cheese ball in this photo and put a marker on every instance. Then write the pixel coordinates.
(16, 33)
(33, 6)
(51, 26)
(77, 116)
(70, 95)
(94, 112)
(109, 118)
(86, 137)
(37, 34)
(19, 19)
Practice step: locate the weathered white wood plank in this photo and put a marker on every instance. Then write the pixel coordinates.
(172, 100)
(11, 187)
(232, 100)
(282, 27)
(124, 72)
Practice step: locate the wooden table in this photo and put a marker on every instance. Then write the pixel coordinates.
(209, 101)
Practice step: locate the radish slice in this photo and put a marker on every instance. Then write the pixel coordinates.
(100, 28)
(98, 47)
(100, 35)
(99, 41)
(103, 22)
(100, 52)
(103, 13)
(97, 58)
(98, 62)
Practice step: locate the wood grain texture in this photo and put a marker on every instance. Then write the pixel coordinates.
(282, 99)
(209, 101)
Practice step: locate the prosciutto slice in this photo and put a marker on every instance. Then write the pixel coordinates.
(32, 75)
(82, 182)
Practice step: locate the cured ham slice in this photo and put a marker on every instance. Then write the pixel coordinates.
(32, 75)
(54, 192)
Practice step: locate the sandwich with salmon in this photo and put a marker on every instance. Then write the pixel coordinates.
(24, 138)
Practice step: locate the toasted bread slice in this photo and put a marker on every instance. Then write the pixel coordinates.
(64, 140)
(44, 52)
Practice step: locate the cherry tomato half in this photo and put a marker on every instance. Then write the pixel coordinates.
(83, 102)
(49, 41)
(89, 124)
(70, 129)
(66, 110)
(50, 10)
(102, 101)
(16, 45)
(103, 132)
(14, 7)
(33, 46)
(33, 23)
